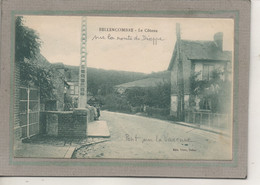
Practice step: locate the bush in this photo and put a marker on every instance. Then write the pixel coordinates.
(136, 109)
(112, 102)
(214, 93)
(158, 96)
(152, 111)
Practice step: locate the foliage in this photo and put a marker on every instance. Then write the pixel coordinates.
(158, 96)
(27, 48)
(152, 111)
(31, 73)
(113, 102)
(27, 41)
(136, 96)
(156, 100)
(216, 89)
(102, 82)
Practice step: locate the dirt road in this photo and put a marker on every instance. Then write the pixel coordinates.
(138, 137)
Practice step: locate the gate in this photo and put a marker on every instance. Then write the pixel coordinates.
(29, 111)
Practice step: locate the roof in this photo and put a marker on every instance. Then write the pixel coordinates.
(201, 50)
(207, 50)
(147, 82)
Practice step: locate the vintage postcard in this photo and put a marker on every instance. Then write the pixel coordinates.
(111, 87)
(103, 90)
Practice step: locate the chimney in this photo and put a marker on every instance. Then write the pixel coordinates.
(218, 38)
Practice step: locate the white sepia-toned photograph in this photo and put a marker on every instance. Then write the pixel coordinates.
(96, 87)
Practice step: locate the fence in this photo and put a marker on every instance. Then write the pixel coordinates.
(206, 118)
(29, 111)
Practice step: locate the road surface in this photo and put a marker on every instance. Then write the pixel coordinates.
(137, 137)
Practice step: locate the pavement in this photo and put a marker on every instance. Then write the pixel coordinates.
(43, 151)
(98, 129)
(50, 147)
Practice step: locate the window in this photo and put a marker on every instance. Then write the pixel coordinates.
(207, 71)
(206, 104)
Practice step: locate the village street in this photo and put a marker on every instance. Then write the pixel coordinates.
(134, 136)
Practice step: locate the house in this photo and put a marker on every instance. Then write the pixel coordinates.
(190, 58)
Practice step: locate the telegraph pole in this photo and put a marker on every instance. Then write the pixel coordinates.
(82, 102)
(180, 79)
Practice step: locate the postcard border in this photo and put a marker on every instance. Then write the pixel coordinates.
(64, 13)
(236, 164)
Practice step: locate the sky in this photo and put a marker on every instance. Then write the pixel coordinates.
(123, 50)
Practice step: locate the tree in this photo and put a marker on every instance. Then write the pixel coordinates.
(158, 96)
(136, 96)
(27, 41)
(27, 51)
(217, 89)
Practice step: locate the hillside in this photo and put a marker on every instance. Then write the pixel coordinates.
(161, 74)
(101, 80)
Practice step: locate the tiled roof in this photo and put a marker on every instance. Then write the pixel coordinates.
(206, 50)
(200, 50)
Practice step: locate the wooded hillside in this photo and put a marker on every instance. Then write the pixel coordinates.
(102, 81)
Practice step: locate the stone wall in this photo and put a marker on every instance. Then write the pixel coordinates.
(67, 123)
(72, 124)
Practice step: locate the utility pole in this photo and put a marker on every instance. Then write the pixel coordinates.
(82, 102)
(180, 79)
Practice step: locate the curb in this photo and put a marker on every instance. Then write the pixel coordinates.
(201, 128)
(69, 152)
